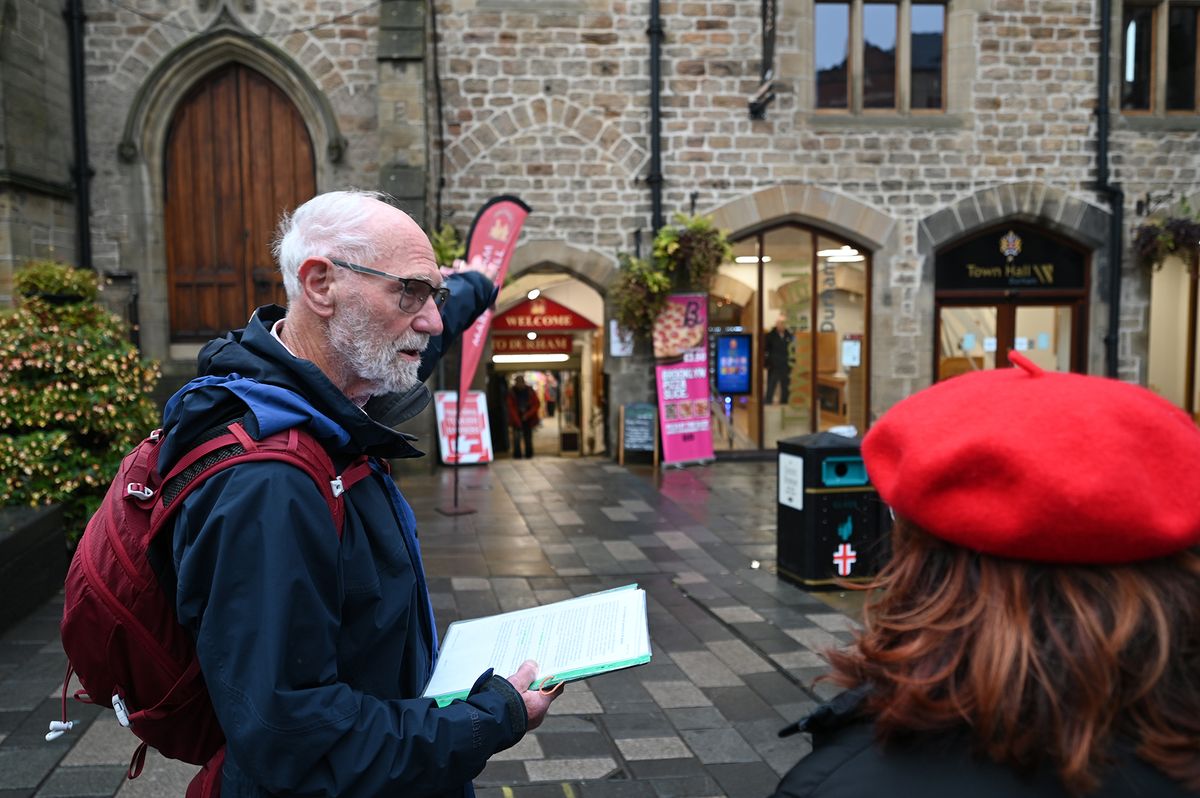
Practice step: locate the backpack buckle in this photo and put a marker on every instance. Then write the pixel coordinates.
(139, 490)
(118, 705)
(337, 487)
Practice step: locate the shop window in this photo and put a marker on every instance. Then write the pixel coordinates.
(1159, 59)
(879, 56)
(800, 298)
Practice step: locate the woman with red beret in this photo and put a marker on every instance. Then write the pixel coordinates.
(1037, 631)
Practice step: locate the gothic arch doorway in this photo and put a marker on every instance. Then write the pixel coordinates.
(237, 155)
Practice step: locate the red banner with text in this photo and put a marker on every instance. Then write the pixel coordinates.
(493, 236)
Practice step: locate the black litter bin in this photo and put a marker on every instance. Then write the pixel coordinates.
(830, 523)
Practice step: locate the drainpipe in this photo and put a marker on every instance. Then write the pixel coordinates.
(1116, 197)
(655, 178)
(81, 170)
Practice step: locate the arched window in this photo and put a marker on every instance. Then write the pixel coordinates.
(798, 297)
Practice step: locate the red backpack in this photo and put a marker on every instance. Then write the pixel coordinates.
(119, 627)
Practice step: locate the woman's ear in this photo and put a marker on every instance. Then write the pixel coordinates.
(316, 285)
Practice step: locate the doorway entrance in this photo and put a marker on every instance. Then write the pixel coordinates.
(1014, 287)
(237, 156)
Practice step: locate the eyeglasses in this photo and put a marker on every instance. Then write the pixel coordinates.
(416, 290)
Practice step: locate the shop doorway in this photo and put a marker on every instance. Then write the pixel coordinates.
(1014, 287)
(548, 331)
(788, 336)
(558, 431)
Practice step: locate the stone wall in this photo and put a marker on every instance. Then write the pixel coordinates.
(36, 211)
(550, 101)
(142, 58)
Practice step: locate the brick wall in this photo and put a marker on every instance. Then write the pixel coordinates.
(552, 103)
(549, 100)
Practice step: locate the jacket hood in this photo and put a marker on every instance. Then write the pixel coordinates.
(248, 375)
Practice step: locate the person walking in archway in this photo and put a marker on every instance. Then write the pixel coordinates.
(523, 407)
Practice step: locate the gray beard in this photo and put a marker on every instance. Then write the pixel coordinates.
(369, 357)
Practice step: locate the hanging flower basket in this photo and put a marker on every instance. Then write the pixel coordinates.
(685, 257)
(1173, 236)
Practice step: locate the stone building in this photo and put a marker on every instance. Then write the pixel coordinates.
(920, 195)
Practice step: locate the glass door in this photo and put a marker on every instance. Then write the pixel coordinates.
(967, 340)
(978, 337)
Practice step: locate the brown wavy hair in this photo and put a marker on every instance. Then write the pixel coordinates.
(1044, 664)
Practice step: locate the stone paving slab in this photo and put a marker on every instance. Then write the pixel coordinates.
(735, 650)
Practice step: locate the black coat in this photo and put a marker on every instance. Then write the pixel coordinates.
(847, 762)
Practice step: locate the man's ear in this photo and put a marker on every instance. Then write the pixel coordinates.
(316, 284)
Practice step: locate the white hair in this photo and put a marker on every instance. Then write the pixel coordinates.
(335, 224)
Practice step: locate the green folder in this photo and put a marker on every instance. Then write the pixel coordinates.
(573, 639)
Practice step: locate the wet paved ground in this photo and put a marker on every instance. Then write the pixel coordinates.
(734, 648)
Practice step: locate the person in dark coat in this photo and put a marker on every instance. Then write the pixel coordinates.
(1037, 630)
(523, 406)
(316, 648)
(777, 350)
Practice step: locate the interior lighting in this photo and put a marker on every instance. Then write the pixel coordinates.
(751, 259)
(534, 294)
(845, 249)
(559, 358)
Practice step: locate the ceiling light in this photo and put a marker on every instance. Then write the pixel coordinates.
(560, 358)
(845, 258)
(534, 294)
(751, 259)
(845, 250)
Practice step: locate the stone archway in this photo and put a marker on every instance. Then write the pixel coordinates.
(592, 268)
(1036, 203)
(894, 366)
(143, 145)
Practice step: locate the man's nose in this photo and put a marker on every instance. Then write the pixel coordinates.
(429, 318)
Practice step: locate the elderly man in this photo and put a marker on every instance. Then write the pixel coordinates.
(316, 647)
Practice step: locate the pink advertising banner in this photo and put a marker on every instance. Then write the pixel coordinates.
(493, 237)
(683, 397)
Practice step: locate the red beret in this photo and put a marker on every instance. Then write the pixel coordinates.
(1044, 466)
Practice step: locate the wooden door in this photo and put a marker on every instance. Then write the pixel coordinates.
(238, 155)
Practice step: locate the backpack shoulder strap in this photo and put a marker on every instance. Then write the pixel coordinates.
(230, 445)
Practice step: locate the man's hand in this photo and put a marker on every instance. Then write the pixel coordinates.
(477, 264)
(536, 702)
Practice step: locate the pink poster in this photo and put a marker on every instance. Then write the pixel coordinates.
(683, 397)
(474, 440)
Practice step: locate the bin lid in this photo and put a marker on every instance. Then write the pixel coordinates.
(821, 440)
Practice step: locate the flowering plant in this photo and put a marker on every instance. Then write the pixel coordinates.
(1158, 239)
(74, 394)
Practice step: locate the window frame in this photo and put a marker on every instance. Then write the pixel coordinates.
(856, 68)
(1159, 38)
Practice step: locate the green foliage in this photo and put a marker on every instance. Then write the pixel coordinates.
(691, 250)
(686, 256)
(56, 281)
(1177, 235)
(74, 395)
(639, 294)
(448, 245)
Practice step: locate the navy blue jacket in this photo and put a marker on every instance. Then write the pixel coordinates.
(315, 649)
(848, 762)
